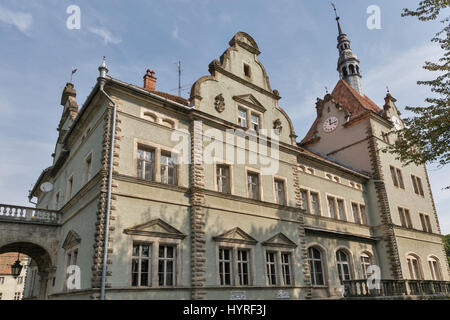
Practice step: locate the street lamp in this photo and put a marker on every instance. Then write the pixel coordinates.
(16, 268)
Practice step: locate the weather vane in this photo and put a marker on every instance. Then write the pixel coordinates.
(73, 72)
(335, 11)
(387, 88)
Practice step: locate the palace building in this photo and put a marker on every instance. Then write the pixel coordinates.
(150, 184)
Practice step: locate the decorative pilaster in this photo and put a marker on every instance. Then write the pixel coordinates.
(198, 256)
(383, 207)
(101, 212)
(302, 235)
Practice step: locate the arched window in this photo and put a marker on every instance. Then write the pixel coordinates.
(414, 266)
(344, 71)
(343, 265)
(357, 69)
(366, 261)
(435, 268)
(316, 266)
(351, 69)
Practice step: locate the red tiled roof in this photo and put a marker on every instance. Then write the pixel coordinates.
(350, 100)
(6, 260)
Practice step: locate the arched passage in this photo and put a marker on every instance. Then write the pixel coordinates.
(39, 256)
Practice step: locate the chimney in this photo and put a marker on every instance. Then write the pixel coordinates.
(150, 80)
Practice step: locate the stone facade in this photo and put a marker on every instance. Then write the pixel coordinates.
(211, 227)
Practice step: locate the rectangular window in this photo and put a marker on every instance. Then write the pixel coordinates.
(253, 185)
(247, 72)
(271, 268)
(341, 209)
(17, 296)
(57, 201)
(223, 179)
(146, 164)
(385, 137)
(286, 268)
(243, 265)
(417, 185)
(19, 280)
(364, 219)
(87, 169)
(332, 207)
(304, 200)
(405, 218)
(394, 176)
(69, 188)
(425, 221)
(2, 280)
(242, 117)
(355, 211)
(315, 206)
(255, 125)
(280, 195)
(166, 266)
(225, 262)
(168, 168)
(400, 178)
(140, 265)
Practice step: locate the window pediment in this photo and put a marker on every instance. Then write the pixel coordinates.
(235, 235)
(156, 228)
(72, 239)
(280, 240)
(250, 101)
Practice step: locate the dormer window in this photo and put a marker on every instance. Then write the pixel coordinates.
(247, 71)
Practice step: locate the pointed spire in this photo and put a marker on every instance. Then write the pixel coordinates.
(337, 19)
(348, 63)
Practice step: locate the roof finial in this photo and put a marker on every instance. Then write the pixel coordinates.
(103, 68)
(326, 89)
(337, 18)
(387, 89)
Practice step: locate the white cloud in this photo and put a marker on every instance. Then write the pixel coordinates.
(20, 20)
(105, 34)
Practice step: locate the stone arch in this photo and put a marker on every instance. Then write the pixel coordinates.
(44, 261)
(351, 69)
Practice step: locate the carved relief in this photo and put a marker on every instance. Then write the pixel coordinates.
(277, 126)
(219, 103)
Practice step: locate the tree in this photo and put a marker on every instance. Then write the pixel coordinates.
(426, 136)
(447, 247)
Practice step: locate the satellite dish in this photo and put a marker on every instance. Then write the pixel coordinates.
(46, 187)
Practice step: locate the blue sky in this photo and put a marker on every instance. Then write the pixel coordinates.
(297, 40)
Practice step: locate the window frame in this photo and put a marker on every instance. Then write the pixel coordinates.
(309, 200)
(417, 185)
(336, 207)
(218, 165)
(278, 179)
(312, 270)
(234, 248)
(341, 263)
(405, 217)
(253, 172)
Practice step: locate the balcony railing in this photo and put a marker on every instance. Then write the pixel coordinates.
(28, 214)
(360, 288)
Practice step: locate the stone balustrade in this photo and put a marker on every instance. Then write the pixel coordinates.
(387, 288)
(28, 214)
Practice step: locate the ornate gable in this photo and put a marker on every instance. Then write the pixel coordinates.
(280, 240)
(155, 228)
(235, 235)
(72, 239)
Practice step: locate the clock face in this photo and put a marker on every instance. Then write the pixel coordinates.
(397, 123)
(330, 124)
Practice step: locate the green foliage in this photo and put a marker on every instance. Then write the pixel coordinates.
(447, 247)
(426, 137)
